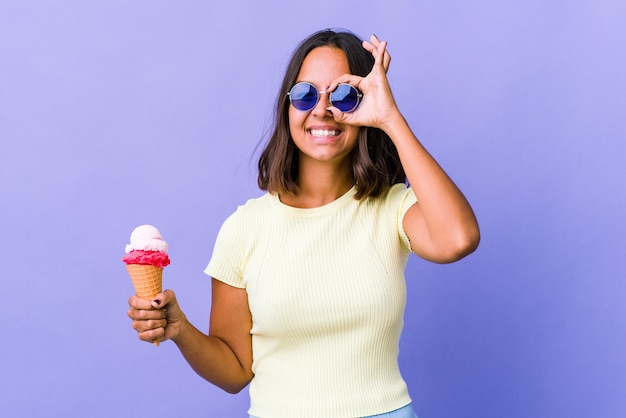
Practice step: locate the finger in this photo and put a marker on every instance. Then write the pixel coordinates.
(382, 58)
(374, 40)
(165, 298)
(151, 335)
(379, 46)
(146, 314)
(352, 79)
(138, 303)
(344, 117)
(386, 58)
(144, 325)
(379, 53)
(170, 305)
(337, 114)
(159, 301)
(378, 49)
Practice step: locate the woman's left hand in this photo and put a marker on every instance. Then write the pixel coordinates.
(378, 106)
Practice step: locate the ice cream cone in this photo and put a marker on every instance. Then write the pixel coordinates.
(147, 281)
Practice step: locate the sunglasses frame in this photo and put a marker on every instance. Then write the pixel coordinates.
(330, 97)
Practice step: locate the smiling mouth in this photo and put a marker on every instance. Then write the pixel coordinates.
(324, 133)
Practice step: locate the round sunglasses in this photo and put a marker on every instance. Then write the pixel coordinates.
(304, 96)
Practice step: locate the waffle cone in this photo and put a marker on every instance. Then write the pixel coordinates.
(147, 281)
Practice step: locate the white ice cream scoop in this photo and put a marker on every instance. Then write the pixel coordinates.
(146, 238)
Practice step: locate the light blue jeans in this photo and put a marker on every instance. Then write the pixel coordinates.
(405, 412)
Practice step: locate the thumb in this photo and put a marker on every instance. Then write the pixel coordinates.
(158, 302)
(349, 118)
(167, 300)
(161, 300)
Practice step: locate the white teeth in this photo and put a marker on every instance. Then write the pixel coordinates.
(324, 132)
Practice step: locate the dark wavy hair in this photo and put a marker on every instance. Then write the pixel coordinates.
(375, 162)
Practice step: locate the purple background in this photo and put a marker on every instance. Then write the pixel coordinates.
(117, 113)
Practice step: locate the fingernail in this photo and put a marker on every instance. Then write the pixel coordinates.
(157, 301)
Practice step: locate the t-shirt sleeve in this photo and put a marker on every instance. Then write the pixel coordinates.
(402, 198)
(228, 254)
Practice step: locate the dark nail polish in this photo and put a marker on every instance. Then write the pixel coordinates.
(157, 301)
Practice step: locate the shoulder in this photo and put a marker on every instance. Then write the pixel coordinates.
(248, 216)
(398, 191)
(253, 207)
(396, 197)
(241, 228)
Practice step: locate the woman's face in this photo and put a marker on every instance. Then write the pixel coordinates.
(315, 132)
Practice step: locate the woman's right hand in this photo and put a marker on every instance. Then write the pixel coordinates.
(160, 317)
(224, 357)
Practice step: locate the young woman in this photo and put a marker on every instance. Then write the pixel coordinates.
(308, 283)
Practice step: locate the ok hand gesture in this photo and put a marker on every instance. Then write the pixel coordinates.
(378, 107)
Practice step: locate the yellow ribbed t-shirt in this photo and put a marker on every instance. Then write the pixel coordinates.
(327, 294)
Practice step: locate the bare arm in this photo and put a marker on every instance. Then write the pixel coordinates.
(224, 357)
(441, 226)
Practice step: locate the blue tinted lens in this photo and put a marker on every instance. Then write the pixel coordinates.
(303, 96)
(345, 97)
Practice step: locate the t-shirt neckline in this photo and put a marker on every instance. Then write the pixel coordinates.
(317, 211)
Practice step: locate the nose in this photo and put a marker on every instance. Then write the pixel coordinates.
(321, 108)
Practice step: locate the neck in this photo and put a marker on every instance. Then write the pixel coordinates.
(319, 186)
